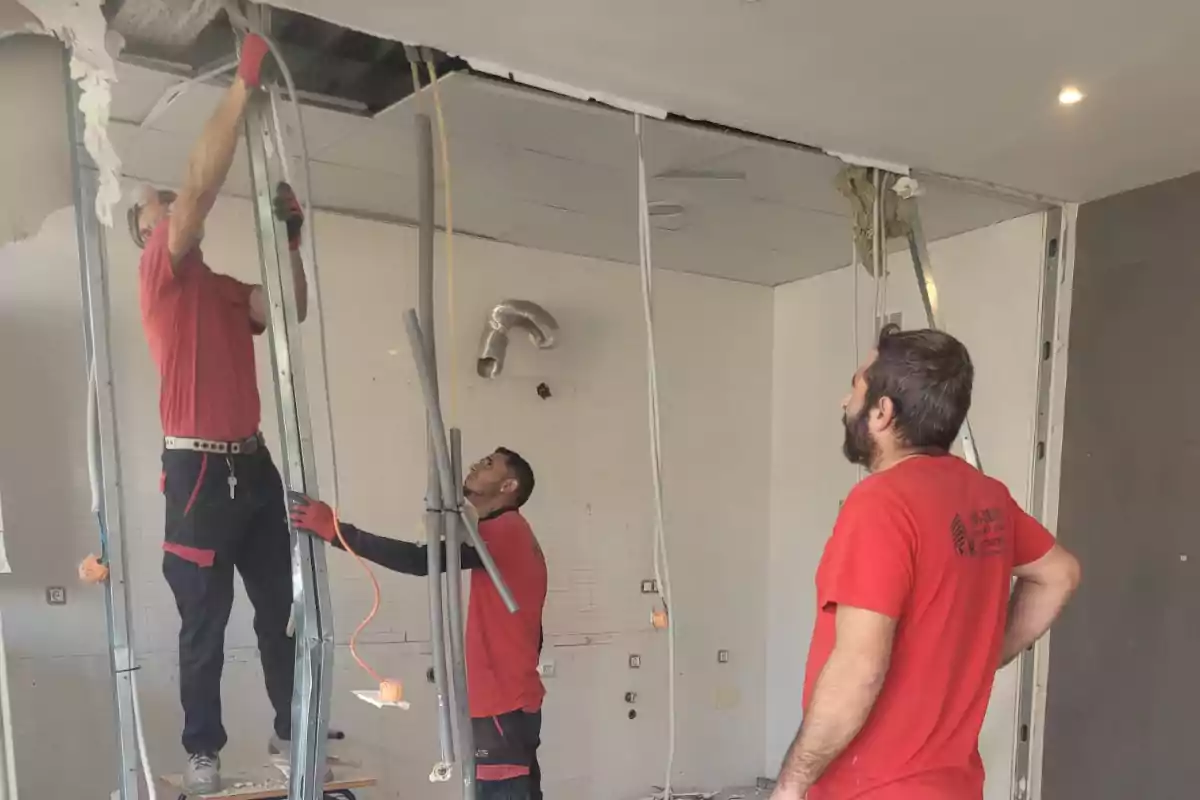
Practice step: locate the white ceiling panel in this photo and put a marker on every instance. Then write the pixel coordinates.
(968, 89)
(540, 171)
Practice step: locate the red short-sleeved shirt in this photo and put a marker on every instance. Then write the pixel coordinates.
(201, 338)
(932, 543)
(503, 649)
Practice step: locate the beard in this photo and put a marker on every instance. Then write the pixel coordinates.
(858, 447)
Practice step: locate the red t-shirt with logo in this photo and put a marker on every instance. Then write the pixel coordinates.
(200, 334)
(932, 543)
(503, 649)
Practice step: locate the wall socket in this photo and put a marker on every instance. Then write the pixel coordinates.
(546, 669)
(635, 661)
(56, 595)
(649, 586)
(722, 656)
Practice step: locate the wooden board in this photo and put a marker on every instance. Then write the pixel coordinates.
(260, 787)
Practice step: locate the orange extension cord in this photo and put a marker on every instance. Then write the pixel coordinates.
(390, 691)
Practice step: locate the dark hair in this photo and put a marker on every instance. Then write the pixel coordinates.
(928, 375)
(521, 472)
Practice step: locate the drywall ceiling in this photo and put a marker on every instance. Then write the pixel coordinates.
(541, 171)
(964, 89)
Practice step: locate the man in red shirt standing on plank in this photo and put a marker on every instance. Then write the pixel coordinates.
(914, 608)
(504, 688)
(225, 507)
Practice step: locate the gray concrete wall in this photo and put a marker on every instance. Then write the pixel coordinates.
(1122, 702)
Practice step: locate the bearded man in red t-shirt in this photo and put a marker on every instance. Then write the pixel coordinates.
(916, 606)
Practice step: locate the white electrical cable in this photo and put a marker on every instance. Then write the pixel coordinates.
(662, 566)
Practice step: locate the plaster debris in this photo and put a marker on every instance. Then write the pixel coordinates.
(81, 26)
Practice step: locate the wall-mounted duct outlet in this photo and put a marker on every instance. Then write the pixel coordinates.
(635, 661)
(722, 656)
(649, 586)
(56, 595)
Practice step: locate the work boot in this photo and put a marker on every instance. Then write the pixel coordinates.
(280, 750)
(203, 774)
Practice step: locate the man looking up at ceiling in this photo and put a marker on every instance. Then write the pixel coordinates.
(225, 507)
(504, 688)
(914, 613)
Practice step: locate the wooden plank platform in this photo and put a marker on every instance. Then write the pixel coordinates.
(261, 787)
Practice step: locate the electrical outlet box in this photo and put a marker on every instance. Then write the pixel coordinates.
(722, 656)
(56, 595)
(650, 586)
(635, 661)
(546, 669)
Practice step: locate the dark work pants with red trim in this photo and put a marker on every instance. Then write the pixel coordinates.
(209, 534)
(506, 754)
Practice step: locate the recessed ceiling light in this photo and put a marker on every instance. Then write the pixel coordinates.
(1069, 96)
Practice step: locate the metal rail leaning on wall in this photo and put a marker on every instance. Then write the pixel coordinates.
(870, 194)
(918, 248)
(310, 584)
(109, 516)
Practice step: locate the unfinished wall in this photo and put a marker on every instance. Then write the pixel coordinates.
(58, 655)
(33, 160)
(588, 445)
(1125, 655)
(988, 281)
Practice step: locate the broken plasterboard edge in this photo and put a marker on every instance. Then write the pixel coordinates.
(867, 161)
(81, 26)
(558, 87)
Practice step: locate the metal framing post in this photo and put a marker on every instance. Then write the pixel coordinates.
(923, 267)
(1033, 664)
(435, 501)
(454, 620)
(109, 516)
(310, 584)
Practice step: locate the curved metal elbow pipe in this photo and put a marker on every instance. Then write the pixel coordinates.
(506, 316)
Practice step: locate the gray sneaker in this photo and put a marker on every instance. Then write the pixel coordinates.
(203, 774)
(280, 751)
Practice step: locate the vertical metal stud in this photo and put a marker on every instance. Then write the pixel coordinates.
(94, 285)
(310, 584)
(1028, 663)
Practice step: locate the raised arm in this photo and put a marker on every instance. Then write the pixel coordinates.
(212, 155)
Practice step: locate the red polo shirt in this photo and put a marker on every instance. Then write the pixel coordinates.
(200, 334)
(503, 649)
(932, 543)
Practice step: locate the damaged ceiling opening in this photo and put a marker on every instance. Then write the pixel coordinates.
(333, 67)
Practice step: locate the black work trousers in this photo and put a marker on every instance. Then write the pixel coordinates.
(507, 743)
(226, 513)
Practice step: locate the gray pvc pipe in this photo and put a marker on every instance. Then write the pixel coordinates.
(458, 663)
(416, 342)
(435, 520)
